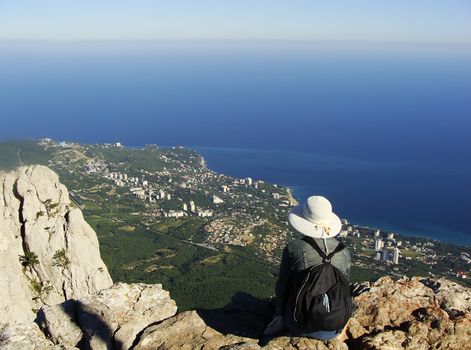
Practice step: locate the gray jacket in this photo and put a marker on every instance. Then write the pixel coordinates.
(299, 255)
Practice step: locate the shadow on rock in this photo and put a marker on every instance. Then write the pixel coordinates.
(78, 326)
(97, 333)
(245, 316)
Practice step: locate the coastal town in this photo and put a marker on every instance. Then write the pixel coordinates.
(166, 186)
(237, 212)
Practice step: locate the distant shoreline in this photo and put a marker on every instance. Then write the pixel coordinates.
(296, 192)
(295, 195)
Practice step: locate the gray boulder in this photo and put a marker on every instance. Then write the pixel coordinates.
(110, 319)
(26, 336)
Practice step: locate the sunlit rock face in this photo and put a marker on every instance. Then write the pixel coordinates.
(48, 253)
(409, 314)
(403, 314)
(109, 319)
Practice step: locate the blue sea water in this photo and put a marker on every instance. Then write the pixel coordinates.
(383, 131)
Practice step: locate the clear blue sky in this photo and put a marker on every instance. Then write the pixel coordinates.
(421, 21)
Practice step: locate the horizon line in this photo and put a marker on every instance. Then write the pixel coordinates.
(235, 40)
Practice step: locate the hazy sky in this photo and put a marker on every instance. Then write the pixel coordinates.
(423, 21)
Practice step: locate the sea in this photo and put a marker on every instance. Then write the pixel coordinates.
(383, 131)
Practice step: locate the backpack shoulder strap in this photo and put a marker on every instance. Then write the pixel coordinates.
(325, 257)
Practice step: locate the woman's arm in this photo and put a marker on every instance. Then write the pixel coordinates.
(283, 278)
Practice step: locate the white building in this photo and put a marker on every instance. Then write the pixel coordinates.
(396, 256)
(205, 213)
(185, 207)
(249, 181)
(140, 194)
(118, 144)
(275, 195)
(224, 188)
(379, 244)
(377, 232)
(192, 206)
(217, 200)
(174, 214)
(169, 196)
(391, 235)
(161, 194)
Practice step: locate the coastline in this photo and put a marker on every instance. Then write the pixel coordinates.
(295, 193)
(216, 160)
(291, 198)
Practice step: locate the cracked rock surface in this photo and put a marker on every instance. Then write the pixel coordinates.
(26, 336)
(111, 319)
(60, 251)
(116, 315)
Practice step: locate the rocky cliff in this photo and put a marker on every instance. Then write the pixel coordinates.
(80, 308)
(48, 253)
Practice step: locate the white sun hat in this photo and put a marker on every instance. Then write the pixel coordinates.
(314, 218)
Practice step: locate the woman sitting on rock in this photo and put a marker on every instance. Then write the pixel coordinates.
(312, 294)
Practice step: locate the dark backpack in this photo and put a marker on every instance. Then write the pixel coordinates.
(320, 296)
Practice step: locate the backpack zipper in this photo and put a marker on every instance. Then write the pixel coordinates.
(297, 297)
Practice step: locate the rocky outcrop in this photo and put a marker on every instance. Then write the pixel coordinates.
(48, 253)
(403, 314)
(409, 314)
(110, 319)
(26, 336)
(187, 330)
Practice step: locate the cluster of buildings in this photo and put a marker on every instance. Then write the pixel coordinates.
(272, 242)
(189, 208)
(121, 179)
(96, 166)
(182, 179)
(348, 230)
(236, 229)
(387, 249)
